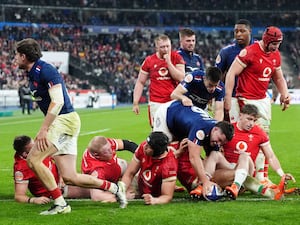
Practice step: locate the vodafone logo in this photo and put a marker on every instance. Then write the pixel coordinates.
(267, 72)
(163, 71)
(241, 146)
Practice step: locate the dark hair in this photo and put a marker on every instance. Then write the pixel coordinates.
(245, 22)
(226, 128)
(158, 141)
(186, 32)
(251, 110)
(213, 74)
(20, 142)
(30, 48)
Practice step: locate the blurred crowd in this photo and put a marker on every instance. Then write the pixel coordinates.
(152, 12)
(115, 58)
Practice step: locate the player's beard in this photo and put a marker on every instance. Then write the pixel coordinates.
(22, 66)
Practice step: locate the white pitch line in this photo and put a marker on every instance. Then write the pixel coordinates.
(94, 132)
(186, 200)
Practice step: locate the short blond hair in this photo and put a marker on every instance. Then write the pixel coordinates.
(161, 37)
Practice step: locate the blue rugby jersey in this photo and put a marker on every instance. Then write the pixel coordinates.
(192, 122)
(192, 60)
(42, 76)
(197, 92)
(226, 57)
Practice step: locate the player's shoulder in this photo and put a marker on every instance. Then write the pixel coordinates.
(228, 47)
(197, 56)
(220, 87)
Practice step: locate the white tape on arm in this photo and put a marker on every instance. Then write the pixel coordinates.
(57, 99)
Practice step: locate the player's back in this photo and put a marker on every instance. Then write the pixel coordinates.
(185, 121)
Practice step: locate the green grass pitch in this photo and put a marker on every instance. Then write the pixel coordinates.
(122, 123)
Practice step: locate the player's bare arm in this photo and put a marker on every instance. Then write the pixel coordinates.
(138, 90)
(281, 85)
(167, 191)
(20, 195)
(57, 102)
(219, 111)
(178, 94)
(274, 162)
(177, 72)
(234, 70)
(194, 156)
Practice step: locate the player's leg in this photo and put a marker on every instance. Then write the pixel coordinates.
(243, 168)
(261, 164)
(160, 120)
(254, 185)
(66, 165)
(102, 196)
(152, 108)
(75, 192)
(35, 162)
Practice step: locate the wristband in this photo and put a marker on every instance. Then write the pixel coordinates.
(28, 201)
(129, 145)
(280, 172)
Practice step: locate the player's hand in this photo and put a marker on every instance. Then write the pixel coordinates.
(136, 109)
(207, 187)
(289, 176)
(40, 200)
(42, 141)
(167, 57)
(183, 144)
(285, 101)
(182, 147)
(148, 199)
(186, 101)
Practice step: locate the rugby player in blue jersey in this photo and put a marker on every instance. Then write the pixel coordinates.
(193, 61)
(58, 134)
(199, 88)
(178, 122)
(242, 38)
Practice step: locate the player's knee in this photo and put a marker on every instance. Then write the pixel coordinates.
(69, 179)
(32, 163)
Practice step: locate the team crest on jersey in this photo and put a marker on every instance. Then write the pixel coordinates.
(200, 134)
(188, 78)
(19, 176)
(243, 53)
(241, 146)
(147, 175)
(250, 137)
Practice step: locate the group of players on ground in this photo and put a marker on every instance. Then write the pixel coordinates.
(237, 151)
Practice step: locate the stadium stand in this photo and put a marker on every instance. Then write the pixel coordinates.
(107, 40)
